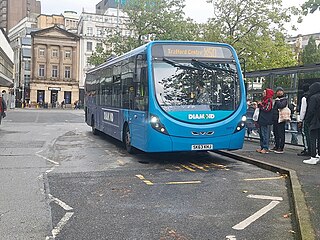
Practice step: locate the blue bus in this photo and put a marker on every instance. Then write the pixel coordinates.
(169, 96)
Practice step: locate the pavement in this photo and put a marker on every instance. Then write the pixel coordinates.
(304, 179)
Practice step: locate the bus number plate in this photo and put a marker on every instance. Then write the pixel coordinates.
(202, 147)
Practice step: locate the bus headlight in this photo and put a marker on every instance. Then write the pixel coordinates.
(157, 125)
(241, 125)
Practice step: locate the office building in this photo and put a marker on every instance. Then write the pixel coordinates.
(13, 11)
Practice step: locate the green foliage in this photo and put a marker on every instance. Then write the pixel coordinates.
(311, 53)
(150, 20)
(311, 6)
(255, 29)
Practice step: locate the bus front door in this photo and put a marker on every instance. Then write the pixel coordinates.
(138, 129)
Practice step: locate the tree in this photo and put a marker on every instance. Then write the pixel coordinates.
(149, 20)
(255, 29)
(311, 6)
(311, 53)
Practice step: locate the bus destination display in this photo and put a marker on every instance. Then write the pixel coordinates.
(189, 51)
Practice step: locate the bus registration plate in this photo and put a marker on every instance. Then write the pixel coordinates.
(202, 147)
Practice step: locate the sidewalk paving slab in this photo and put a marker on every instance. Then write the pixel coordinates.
(305, 182)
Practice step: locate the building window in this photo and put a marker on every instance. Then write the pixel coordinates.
(41, 70)
(89, 31)
(67, 72)
(55, 53)
(89, 46)
(68, 54)
(27, 65)
(54, 71)
(41, 52)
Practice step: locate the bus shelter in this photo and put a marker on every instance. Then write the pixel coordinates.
(291, 79)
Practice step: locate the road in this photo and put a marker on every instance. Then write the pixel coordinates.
(61, 182)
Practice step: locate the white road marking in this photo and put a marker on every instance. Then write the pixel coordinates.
(245, 223)
(60, 225)
(45, 158)
(60, 203)
(50, 170)
(231, 237)
(265, 197)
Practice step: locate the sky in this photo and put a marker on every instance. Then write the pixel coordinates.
(199, 10)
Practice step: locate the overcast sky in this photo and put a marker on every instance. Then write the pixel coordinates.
(198, 10)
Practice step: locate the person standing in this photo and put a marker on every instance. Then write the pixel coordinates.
(250, 122)
(265, 120)
(302, 123)
(279, 127)
(312, 118)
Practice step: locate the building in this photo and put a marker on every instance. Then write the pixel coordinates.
(299, 42)
(93, 30)
(6, 69)
(6, 62)
(46, 21)
(20, 41)
(54, 74)
(104, 5)
(68, 20)
(71, 19)
(13, 11)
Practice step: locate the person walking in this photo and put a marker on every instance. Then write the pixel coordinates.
(3, 108)
(312, 118)
(279, 127)
(302, 123)
(265, 120)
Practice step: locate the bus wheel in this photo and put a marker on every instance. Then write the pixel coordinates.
(127, 140)
(93, 128)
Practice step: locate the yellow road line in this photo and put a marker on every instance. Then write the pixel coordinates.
(141, 177)
(187, 182)
(200, 167)
(264, 179)
(188, 168)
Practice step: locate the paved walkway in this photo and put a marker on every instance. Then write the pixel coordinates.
(308, 175)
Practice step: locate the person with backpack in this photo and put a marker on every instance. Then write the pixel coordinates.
(279, 127)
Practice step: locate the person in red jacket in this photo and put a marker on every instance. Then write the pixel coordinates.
(265, 120)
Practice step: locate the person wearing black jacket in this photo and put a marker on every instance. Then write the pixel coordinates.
(279, 128)
(312, 118)
(265, 120)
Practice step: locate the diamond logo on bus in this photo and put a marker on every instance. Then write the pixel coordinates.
(201, 116)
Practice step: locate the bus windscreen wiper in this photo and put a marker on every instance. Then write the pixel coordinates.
(205, 65)
(179, 65)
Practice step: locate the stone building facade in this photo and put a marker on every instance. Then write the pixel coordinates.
(54, 74)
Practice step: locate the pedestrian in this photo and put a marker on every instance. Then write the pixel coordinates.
(292, 125)
(265, 120)
(312, 118)
(279, 127)
(3, 108)
(62, 104)
(302, 123)
(250, 122)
